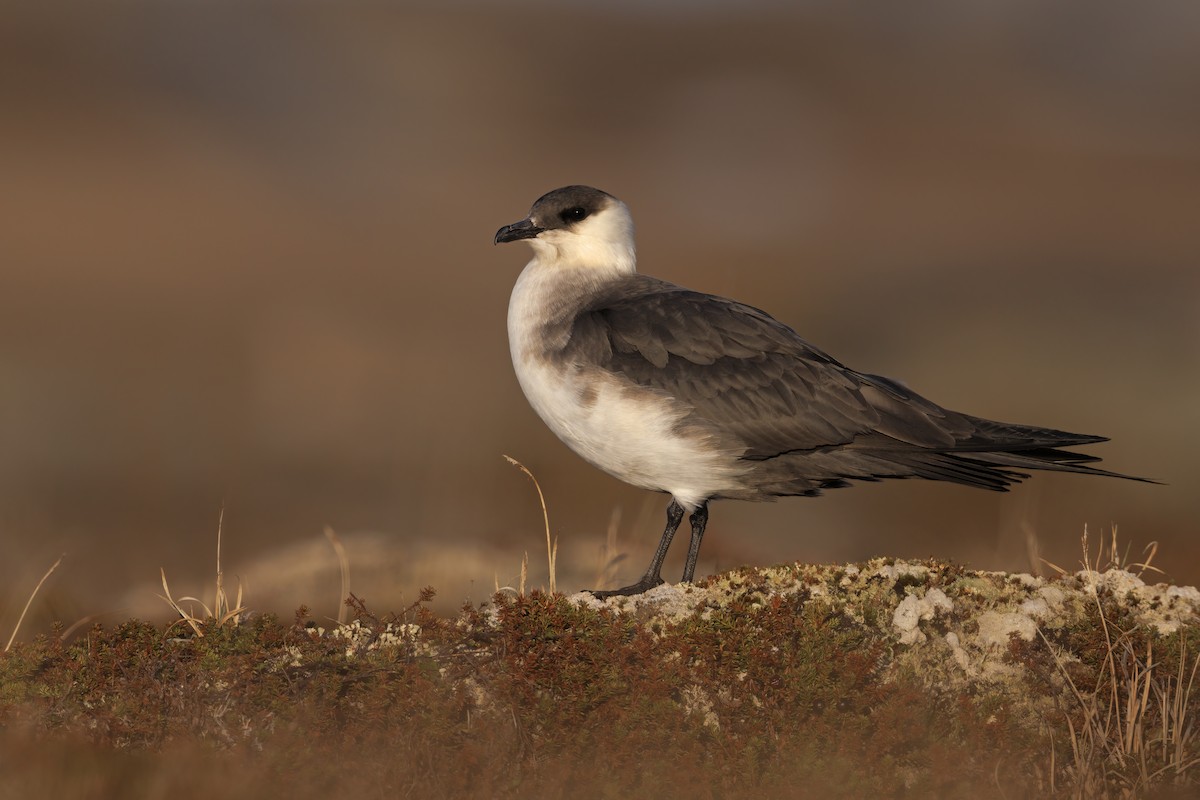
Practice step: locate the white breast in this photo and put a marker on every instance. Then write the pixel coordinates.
(631, 432)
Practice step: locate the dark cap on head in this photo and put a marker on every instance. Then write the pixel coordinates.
(559, 209)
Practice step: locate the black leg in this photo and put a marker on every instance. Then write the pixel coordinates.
(652, 577)
(699, 520)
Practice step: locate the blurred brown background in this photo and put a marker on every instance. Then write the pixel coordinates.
(247, 258)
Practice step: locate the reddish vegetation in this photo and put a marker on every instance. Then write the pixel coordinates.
(535, 696)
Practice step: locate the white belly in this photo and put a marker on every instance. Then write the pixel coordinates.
(630, 432)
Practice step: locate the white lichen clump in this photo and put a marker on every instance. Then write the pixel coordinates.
(361, 638)
(913, 609)
(950, 625)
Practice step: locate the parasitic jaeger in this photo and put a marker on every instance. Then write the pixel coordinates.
(705, 398)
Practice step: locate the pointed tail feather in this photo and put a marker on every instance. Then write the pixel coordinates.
(1052, 460)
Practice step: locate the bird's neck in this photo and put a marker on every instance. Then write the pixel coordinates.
(592, 258)
(546, 299)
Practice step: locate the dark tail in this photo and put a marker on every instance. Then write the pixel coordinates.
(994, 456)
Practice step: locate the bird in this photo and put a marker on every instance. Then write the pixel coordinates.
(704, 398)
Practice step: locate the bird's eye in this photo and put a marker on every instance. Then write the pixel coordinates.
(574, 214)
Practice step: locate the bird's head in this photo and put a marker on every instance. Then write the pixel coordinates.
(577, 226)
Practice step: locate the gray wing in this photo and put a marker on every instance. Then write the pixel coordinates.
(753, 378)
(741, 369)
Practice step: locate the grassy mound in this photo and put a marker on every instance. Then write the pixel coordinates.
(886, 678)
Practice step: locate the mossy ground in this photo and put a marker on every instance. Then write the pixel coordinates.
(791, 682)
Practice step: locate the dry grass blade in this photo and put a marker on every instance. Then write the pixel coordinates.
(1061, 572)
(1136, 724)
(1053, 566)
(232, 614)
(344, 566)
(187, 617)
(1146, 564)
(79, 623)
(219, 597)
(1178, 730)
(222, 611)
(1033, 549)
(551, 546)
(519, 589)
(29, 602)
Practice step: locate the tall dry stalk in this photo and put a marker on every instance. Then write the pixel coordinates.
(551, 547)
